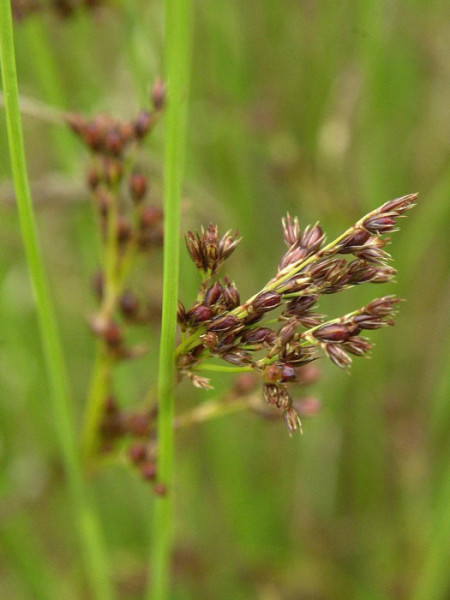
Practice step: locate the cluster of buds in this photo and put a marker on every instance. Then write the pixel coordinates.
(136, 430)
(130, 225)
(219, 325)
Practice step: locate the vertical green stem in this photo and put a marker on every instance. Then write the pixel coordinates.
(91, 546)
(177, 66)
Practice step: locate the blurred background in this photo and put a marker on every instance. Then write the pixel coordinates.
(326, 109)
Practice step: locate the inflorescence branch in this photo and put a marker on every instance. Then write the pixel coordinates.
(219, 325)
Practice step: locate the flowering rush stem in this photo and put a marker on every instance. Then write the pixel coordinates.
(87, 525)
(177, 63)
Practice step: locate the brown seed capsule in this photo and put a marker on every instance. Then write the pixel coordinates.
(113, 334)
(312, 238)
(113, 142)
(336, 332)
(223, 323)
(355, 239)
(123, 229)
(266, 301)
(137, 452)
(236, 356)
(288, 331)
(149, 470)
(137, 184)
(160, 489)
(199, 314)
(231, 294)
(357, 345)
(288, 373)
(380, 224)
(260, 335)
(143, 124)
(138, 424)
(129, 305)
(381, 307)
(213, 294)
(299, 306)
(150, 216)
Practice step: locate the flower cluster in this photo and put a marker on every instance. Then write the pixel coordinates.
(241, 334)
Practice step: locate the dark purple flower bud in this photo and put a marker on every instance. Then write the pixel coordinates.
(357, 345)
(295, 284)
(113, 334)
(338, 355)
(113, 142)
(367, 322)
(260, 335)
(231, 294)
(223, 323)
(129, 304)
(292, 256)
(381, 307)
(288, 331)
(335, 332)
(137, 184)
(399, 205)
(291, 230)
(137, 452)
(144, 122)
(326, 269)
(373, 255)
(288, 373)
(355, 239)
(213, 293)
(199, 314)
(237, 357)
(194, 246)
(380, 224)
(266, 301)
(383, 274)
(227, 244)
(312, 238)
(123, 229)
(311, 320)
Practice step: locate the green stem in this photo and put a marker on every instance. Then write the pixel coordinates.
(222, 368)
(178, 54)
(88, 528)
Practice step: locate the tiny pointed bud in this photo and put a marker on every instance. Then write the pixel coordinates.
(223, 323)
(199, 314)
(137, 184)
(338, 355)
(335, 332)
(291, 230)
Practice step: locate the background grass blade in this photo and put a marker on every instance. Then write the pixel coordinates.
(87, 524)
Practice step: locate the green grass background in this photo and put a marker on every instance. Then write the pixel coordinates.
(325, 109)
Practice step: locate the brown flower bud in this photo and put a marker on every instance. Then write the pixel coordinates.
(260, 335)
(237, 357)
(149, 470)
(291, 230)
(137, 184)
(137, 452)
(143, 124)
(266, 301)
(123, 229)
(299, 306)
(354, 240)
(129, 305)
(223, 323)
(231, 294)
(380, 224)
(312, 238)
(338, 355)
(113, 335)
(213, 294)
(113, 142)
(381, 307)
(335, 332)
(288, 373)
(199, 314)
(357, 345)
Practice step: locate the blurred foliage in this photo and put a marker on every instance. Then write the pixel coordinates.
(325, 109)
